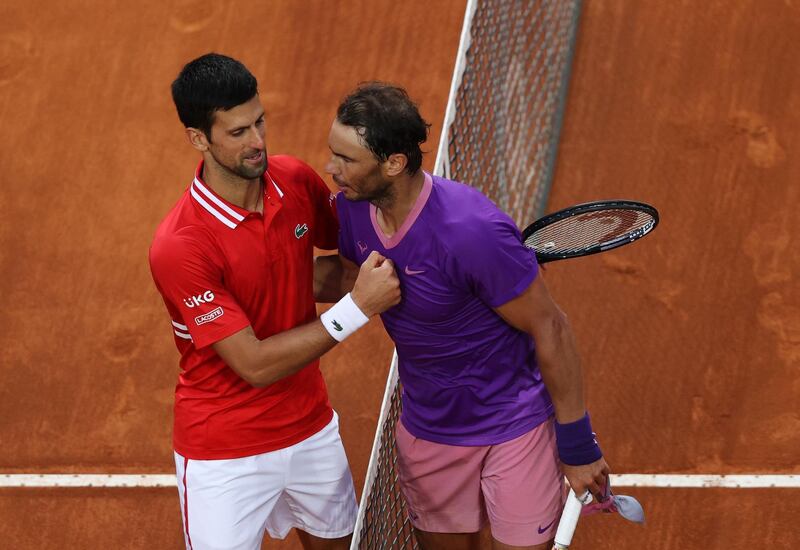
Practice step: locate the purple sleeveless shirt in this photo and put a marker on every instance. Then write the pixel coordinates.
(468, 377)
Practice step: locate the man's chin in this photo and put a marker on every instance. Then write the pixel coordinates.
(252, 172)
(351, 195)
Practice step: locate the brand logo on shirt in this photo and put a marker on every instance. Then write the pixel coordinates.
(362, 246)
(300, 230)
(205, 298)
(409, 271)
(208, 317)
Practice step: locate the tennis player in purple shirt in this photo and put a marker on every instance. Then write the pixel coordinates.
(493, 412)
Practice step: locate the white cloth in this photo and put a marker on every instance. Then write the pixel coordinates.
(626, 506)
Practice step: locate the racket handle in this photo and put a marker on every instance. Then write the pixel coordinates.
(569, 519)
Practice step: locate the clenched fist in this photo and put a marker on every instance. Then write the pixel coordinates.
(377, 287)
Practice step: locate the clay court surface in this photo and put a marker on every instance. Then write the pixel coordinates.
(690, 338)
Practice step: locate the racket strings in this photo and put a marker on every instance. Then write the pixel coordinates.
(588, 229)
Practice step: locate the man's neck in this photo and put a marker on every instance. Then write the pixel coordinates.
(406, 191)
(242, 192)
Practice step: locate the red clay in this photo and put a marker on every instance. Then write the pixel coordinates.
(691, 337)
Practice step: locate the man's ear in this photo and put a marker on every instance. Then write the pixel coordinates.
(198, 139)
(395, 164)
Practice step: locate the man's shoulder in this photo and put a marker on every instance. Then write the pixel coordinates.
(296, 177)
(461, 202)
(462, 207)
(181, 219)
(177, 236)
(463, 220)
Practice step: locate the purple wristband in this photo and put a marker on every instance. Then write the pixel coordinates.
(576, 442)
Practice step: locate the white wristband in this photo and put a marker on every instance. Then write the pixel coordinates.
(343, 319)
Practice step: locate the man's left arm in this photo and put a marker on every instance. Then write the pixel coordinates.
(535, 313)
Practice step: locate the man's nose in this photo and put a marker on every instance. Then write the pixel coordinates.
(330, 167)
(258, 141)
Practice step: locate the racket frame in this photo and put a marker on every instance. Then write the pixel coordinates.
(594, 206)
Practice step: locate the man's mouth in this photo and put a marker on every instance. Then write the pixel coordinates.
(258, 156)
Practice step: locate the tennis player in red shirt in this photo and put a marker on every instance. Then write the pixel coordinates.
(257, 444)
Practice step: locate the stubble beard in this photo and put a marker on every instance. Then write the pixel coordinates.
(383, 198)
(243, 171)
(251, 173)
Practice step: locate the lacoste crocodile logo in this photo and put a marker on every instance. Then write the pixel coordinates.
(300, 230)
(336, 325)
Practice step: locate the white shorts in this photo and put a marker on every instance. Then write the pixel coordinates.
(228, 504)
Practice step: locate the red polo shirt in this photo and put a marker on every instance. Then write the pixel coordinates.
(221, 268)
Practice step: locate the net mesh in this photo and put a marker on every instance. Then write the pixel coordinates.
(501, 132)
(385, 521)
(504, 127)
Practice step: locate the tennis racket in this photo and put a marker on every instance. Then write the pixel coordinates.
(589, 228)
(569, 519)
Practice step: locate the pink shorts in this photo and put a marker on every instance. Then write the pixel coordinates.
(516, 485)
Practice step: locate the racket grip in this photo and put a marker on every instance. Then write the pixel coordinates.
(569, 519)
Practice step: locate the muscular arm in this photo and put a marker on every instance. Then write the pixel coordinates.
(334, 276)
(535, 313)
(263, 362)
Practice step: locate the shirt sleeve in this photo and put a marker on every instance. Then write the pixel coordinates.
(488, 256)
(192, 283)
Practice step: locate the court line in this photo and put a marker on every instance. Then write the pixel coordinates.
(695, 481)
(706, 481)
(87, 480)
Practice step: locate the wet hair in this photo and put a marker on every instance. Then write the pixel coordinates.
(387, 121)
(211, 83)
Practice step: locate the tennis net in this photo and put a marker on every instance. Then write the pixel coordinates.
(500, 135)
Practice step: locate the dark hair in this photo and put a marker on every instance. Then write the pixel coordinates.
(211, 83)
(387, 121)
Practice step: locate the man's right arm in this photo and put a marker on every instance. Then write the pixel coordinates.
(263, 362)
(535, 313)
(334, 276)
